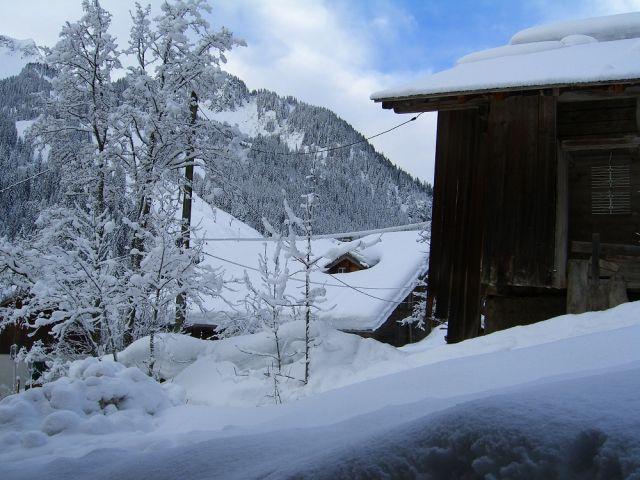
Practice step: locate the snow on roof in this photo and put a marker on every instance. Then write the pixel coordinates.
(361, 250)
(593, 50)
(399, 261)
(15, 54)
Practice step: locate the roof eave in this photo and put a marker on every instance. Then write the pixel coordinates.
(452, 100)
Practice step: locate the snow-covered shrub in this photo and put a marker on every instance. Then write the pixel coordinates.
(97, 397)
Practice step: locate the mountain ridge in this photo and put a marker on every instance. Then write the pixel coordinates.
(358, 188)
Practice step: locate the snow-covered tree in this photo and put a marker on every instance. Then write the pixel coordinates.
(311, 296)
(68, 268)
(269, 305)
(76, 122)
(165, 270)
(176, 56)
(419, 317)
(69, 281)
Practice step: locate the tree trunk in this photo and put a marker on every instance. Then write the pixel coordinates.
(187, 193)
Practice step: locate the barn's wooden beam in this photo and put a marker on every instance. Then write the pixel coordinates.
(600, 143)
(450, 103)
(454, 100)
(606, 248)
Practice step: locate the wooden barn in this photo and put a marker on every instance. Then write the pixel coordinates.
(536, 206)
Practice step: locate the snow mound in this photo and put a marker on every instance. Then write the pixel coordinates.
(15, 54)
(97, 397)
(611, 27)
(173, 352)
(232, 371)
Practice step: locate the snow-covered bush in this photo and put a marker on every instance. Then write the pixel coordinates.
(97, 397)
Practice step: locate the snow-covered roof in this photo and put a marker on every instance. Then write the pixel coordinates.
(359, 250)
(593, 50)
(397, 260)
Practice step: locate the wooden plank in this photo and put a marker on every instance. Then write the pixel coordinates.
(606, 142)
(578, 286)
(562, 223)
(595, 258)
(606, 248)
(584, 119)
(568, 91)
(457, 226)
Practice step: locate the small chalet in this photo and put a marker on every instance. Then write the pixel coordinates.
(536, 208)
(369, 281)
(346, 263)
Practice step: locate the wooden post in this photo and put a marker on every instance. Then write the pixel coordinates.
(595, 258)
(578, 286)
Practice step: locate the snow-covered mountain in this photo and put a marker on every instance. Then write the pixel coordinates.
(358, 188)
(16, 54)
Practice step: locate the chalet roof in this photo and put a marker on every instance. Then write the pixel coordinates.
(397, 262)
(358, 250)
(590, 51)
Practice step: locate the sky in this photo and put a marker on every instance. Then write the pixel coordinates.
(335, 53)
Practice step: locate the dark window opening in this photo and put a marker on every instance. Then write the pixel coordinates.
(610, 189)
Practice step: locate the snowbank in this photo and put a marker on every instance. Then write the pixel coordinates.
(173, 353)
(97, 397)
(231, 372)
(560, 395)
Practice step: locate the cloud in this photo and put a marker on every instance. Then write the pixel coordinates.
(322, 52)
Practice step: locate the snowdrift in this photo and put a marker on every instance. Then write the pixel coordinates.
(556, 399)
(97, 397)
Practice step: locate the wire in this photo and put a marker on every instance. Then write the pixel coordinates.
(365, 293)
(344, 284)
(25, 180)
(360, 233)
(327, 149)
(339, 147)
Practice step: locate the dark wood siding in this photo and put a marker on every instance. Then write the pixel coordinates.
(521, 203)
(458, 221)
(598, 118)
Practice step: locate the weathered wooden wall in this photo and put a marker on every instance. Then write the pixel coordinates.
(347, 264)
(494, 206)
(512, 197)
(458, 221)
(521, 205)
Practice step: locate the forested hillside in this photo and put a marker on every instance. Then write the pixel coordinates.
(357, 187)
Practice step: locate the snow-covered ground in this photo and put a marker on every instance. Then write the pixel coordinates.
(558, 399)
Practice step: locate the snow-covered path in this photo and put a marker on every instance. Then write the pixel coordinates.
(578, 394)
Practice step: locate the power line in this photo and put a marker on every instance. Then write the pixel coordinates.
(360, 233)
(25, 180)
(327, 149)
(357, 289)
(343, 283)
(339, 147)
